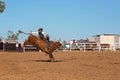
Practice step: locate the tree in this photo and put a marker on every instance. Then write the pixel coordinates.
(0, 39)
(2, 6)
(12, 36)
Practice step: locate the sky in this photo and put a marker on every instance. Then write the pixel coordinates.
(61, 19)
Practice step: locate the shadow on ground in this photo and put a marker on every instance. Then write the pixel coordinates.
(47, 61)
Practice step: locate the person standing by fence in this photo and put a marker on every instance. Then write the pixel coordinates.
(17, 46)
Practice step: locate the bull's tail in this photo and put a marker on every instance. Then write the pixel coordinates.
(19, 31)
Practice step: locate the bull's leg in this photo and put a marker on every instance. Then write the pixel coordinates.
(51, 57)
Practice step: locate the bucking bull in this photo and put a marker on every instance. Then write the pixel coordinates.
(41, 45)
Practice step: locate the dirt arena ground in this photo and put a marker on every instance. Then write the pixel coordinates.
(75, 65)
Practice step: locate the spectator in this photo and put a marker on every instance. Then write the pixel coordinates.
(17, 46)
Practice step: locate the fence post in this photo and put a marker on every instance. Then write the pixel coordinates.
(84, 47)
(3, 46)
(23, 49)
(99, 47)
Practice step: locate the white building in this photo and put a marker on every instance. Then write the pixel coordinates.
(112, 39)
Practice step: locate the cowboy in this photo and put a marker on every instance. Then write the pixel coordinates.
(41, 34)
(44, 37)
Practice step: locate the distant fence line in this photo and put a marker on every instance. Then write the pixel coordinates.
(74, 46)
(11, 46)
(90, 46)
(8, 46)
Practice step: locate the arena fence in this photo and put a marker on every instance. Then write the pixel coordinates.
(9, 46)
(74, 46)
(30, 48)
(90, 46)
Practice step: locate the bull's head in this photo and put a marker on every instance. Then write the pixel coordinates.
(59, 44)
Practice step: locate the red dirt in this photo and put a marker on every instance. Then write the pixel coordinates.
(75, 65)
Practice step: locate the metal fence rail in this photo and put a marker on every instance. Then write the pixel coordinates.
(89, 46)
(29, 47)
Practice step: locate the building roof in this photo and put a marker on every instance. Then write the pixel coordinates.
(106, 35)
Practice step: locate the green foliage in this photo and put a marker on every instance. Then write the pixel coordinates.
(2, 6)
